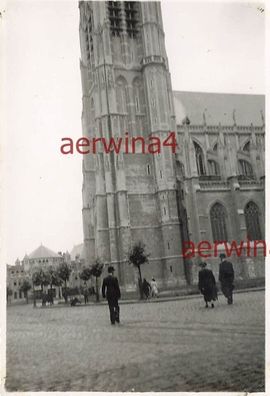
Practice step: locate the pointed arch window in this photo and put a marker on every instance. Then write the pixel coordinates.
(213, 168)
(121, 95)
(114, 9)
(199, 159)
(252, 218)
(215, 147)
(89, 43)
(218, 222)
(245, 169)
(139, 98)
(246, 147)
(132, 17)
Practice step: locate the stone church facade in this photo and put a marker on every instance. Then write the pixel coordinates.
(211, 188)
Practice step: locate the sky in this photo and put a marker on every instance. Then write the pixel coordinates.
(212, 47)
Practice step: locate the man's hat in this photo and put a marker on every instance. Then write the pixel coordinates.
(222, 255)
(111, 269)
(203, 264)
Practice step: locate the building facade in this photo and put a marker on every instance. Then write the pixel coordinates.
(45, 259)
(42, 257)
(220, 171)
(15, 277)
(166, 198)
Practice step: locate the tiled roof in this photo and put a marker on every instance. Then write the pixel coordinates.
(219, 108)
(42, 252)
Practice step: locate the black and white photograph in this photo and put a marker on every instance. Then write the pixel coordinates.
(133, 196)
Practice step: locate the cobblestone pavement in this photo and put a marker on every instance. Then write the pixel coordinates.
(169, 346)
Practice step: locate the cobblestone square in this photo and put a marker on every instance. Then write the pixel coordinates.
(166, 346)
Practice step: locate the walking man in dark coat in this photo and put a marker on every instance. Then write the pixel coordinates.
(207, 285)
(111, 291)
(146, 288)
(226, 278)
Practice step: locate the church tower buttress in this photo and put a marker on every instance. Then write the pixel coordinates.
(127, 93)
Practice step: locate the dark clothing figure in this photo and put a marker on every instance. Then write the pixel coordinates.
(44, 299)
(85, 295)
(75, 301)
(50, 298)
(207, 285)
(146, 288)
(226, 278)
(111, 291)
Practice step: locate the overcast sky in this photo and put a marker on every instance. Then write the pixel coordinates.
(214, 47)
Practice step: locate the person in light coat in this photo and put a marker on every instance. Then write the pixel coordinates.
(154, 288)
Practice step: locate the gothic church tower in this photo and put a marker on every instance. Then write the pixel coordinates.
(127, 89)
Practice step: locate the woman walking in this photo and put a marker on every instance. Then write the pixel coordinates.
(207, 285)
(154, 288)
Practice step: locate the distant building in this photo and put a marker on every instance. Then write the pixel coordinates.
(41, 257)
(77, 263)
(77, 252)
(44, 258)
(15, 277)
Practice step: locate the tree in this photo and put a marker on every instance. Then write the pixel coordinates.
(54, 280)
(85, 275)
(96, 271)
(25, 287)
(64, 272)
(39, 278)
(137, 256)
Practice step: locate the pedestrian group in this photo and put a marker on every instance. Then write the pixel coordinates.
(149, 289)
(207, 282)
(207, 286)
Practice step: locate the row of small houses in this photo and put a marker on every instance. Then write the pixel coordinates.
(58, 283)
(44, 272)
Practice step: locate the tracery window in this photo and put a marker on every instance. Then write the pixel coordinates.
(199, 159)
(114, 8)
(213, 168)
(245, 169)
(252, 221)
(131, 18)
(139, 99)
(89, 39)
(247, 147)
(121, 95)
(218, 222)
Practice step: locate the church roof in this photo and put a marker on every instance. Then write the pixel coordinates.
(42, 252)
(219, 108)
